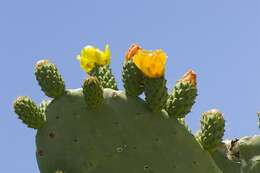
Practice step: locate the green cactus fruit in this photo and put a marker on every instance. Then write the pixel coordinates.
(29, 113)
(93, 92)
(212, 130)
(182, 98)
(121, 136)
(133, 79)
(155, 93)
(49, 79)
(105, 76)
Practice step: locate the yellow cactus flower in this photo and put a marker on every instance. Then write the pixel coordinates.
(151, 63)
(90, 57)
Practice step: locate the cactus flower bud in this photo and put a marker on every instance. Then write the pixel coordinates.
(189, 77)
(132, 51)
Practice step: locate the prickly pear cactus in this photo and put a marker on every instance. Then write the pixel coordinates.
(99, 129)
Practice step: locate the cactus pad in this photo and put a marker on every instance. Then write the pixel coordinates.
(99, 129)
(122, 136)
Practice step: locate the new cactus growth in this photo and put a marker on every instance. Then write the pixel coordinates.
(105, 76)
(212, 129)
(93, 92)
(99, 129)
(49, 79)
(29, 112)
(183, 96)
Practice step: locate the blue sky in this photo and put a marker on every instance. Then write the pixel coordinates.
(218, 39)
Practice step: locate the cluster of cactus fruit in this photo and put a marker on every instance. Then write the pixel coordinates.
(100, 129)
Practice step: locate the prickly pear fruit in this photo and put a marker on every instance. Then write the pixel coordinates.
(133, 79)
(155, 93)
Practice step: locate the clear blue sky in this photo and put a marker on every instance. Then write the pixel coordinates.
(220, 40)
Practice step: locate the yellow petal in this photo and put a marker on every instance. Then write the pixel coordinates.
(90, 53)
(104, 58)
(85, 64)
(151, 63)
(91, 56)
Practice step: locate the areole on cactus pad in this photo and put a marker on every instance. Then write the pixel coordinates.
(100, 129)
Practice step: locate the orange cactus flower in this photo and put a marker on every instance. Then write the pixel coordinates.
(151, 63)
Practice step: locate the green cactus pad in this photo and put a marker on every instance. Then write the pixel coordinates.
(252, 166)
(29, 113)
(105, 76)
(49, 79)
(249, 147)
(211, 130)
(182, 122)
(133, 79)
(93, 92)
(242, 155)
(122, 136)
(155, 93)
(181, 100)
(220, 155)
